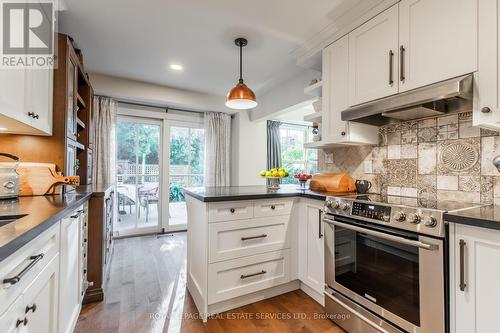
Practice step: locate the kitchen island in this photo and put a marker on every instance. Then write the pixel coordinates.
(248, 243)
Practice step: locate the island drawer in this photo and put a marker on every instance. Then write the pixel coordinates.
(228, 211)
(234, 239)
(237, 277)
(264, 208)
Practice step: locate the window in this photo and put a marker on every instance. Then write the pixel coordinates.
(294, 157)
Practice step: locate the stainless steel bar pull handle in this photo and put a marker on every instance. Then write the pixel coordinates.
(391, 70)
(320, 233)
(402, 63)
(463, 285)
(253, 237)
(253, 274)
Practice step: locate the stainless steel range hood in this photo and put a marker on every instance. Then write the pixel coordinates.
(448, 96)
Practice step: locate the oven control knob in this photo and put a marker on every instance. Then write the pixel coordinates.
(345, 206)
(400, 217)
(329, 203)
(430, 222)
(415, 218)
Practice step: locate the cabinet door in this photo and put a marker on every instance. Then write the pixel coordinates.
(488, 74)
(439, 39)
(373, 58)
(12, 96)
(39, 86)
(41, 300)
(70, 281)
(71, 101)
(314, 271)
(11, 319)
(476, 300)
(336, 94)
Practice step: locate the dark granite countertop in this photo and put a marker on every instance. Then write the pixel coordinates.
(484, 217)
(41, 213)
(231, 193)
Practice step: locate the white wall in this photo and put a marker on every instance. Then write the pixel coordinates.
(248, 150)
(284, 96)
(153, 94)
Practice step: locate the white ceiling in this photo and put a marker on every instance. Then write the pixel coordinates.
(139, 39)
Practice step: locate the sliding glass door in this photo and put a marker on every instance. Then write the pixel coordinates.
(186, 164)
(138, 170)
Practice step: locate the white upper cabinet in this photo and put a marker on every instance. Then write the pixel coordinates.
(437, 41)
(373, 58)
(26, 101)
(487, 92)
(336, 99)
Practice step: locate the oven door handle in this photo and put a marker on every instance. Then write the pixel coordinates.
(357, 314)
(393, 238)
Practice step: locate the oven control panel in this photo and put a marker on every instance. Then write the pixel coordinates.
(371, 211)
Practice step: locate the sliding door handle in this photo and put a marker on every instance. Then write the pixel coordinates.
(463, 284)
(391, 65)
(402, 63)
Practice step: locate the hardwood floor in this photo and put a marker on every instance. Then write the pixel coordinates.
(147, 293)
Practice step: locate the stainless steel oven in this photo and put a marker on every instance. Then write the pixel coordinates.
(380, 272)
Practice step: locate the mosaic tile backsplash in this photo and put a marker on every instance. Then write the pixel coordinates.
(442, 158)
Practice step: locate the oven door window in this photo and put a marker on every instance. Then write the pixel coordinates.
(382, 271)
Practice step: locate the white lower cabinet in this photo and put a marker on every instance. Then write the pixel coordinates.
(311, 248)
(239, 252)
(45, 293)
(71, 274)
(475, 269)
(41, 299)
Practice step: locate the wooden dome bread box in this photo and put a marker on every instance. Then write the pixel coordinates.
(333, 183)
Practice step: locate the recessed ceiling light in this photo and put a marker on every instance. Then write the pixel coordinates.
(176, 67)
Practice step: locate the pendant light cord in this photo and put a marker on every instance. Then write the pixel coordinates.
(241, 63)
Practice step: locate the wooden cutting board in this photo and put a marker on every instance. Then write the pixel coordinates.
(42, 179)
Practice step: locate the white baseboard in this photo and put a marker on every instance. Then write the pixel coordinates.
(320, 298)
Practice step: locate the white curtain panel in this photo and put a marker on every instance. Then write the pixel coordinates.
(218, 149)
(104, 140)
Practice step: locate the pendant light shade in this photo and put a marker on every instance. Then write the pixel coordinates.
(241, 97)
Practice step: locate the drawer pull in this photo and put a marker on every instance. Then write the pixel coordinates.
(17, 278)
(77, 215)
(253, 237)
(463, 284)
(252, 275)
(30, 308)
(232, 210)
(22, 321)
(273, 207)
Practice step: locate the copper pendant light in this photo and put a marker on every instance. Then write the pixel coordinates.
(241, 97)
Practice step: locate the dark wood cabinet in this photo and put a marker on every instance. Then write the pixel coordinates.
(100, 241)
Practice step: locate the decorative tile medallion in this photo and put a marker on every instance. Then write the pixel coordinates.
(459, 157)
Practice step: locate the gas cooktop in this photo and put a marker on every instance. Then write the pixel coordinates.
(406, 213)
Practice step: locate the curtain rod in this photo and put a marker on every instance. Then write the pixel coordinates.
(152, 105)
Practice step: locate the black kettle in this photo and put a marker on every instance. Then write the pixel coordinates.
(362, 186)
